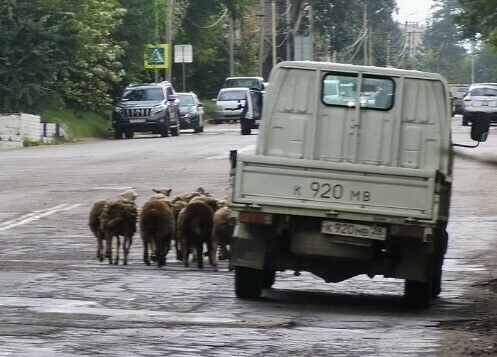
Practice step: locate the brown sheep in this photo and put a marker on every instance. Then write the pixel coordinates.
(165, 191)
(94, 219)
(222, 233)
(94, 223)
(212, 202)
(177, 207)
(118, 218)
(195, 222)
(157, 227)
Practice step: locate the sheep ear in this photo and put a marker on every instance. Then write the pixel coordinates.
(169, 191)
(156, 190)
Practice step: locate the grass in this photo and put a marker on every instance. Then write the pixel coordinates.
(79, 125)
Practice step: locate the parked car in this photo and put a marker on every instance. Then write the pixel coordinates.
(481, 98)
(457, 93)
(191, 112)
(244, 82)
(229, 104)
(146, 107)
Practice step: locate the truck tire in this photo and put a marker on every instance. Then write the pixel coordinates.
(438, 261)
(269, 277)
(418, 294)
(245, 129)
(248, 282)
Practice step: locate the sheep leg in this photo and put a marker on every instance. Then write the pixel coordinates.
(145, 253)
(213, 254)
(159, 252)
(200, 256)
(223, 254)
(108, 247)
(186, 252)
(126, 246)
(100, 246)
(118, 247)
(177, 246)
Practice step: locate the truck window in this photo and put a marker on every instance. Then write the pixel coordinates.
(344, 91)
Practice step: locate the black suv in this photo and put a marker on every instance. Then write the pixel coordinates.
(147, 107)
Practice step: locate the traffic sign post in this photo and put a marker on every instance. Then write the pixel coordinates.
(183, 54)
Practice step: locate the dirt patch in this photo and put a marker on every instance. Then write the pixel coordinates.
(476, 333)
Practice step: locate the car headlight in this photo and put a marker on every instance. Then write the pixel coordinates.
(158, 108)
(118, 109)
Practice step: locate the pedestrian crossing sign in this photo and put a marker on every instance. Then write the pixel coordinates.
(156, 56)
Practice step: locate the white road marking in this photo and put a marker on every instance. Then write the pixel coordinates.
(36, 215)
(224, 156)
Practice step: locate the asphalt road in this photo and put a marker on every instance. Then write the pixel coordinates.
(57, 299)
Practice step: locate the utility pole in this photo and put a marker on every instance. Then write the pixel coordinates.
(311, 30)
(288, 31)
(156, 37)
(169, 40)
(472, 61)
(273, 30)
(261, 38)
(388, 50)
(231, 44)
(365, 38)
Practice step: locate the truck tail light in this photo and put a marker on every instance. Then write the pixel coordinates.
(256, 218)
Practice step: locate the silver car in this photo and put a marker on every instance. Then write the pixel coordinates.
(480, 100)
(229, 104)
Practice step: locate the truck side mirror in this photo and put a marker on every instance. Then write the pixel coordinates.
(480, 127)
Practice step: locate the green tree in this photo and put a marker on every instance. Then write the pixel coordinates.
(443, 49)
(478, 20)
(89, 79)
(37, 40)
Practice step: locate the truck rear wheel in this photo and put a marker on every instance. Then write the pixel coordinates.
(268, 278)
(418, 294)
(244, 126)
(248, 282)
(439, 254)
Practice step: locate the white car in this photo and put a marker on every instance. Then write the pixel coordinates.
(480, 100)
(229, 104)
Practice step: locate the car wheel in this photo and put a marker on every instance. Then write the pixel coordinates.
(164, 131)
(465, 120)
(129, 134)
(175, 130)
(118, 133)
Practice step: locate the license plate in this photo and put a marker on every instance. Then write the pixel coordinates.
(133, 121)
(353, 230)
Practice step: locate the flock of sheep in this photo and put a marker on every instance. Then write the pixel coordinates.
(190, 220)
